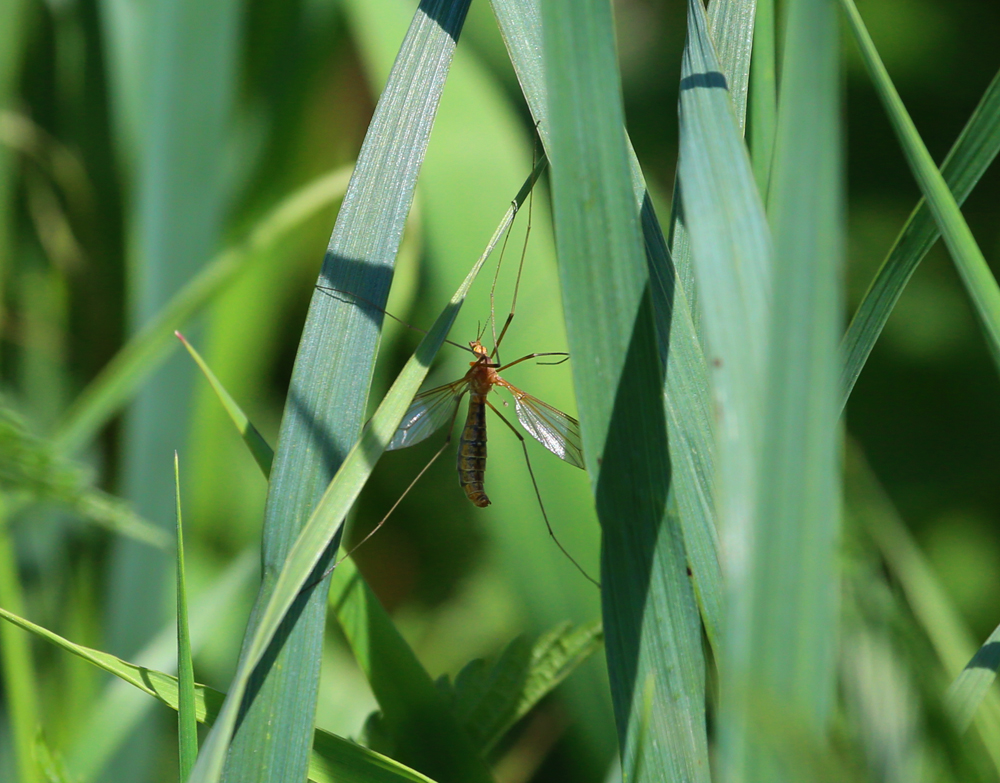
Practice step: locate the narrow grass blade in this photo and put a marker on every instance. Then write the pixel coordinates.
(651, 616)
(948, 634)
(784, 638)
(262, 453)
(731, 252)
(30, 464)
(324, 524)
(150, 347)
(333, 758)
(968, 258)
(327, 398)
(763, 95)
(685, 393)
(490, 699)
(967, 161)
(187, 729)
(20, 686)
(118, 709)
(731, 27)
(969, 689)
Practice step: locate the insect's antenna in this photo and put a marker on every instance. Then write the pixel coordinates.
(328, 289)
(538, 494)
(517, 280)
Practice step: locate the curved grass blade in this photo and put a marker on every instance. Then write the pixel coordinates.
(333, 758)
(967, 161)
(731, 28)
(262, 453)
(327, 399)
(685, 392)
(150, 347)
(187, 729)
(968, 258)
(650, 613)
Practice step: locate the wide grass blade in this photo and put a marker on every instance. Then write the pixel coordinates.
(324, 525)
(328, 395)
(967, 161)
(784, 639)
(149, 348)
(968, 258)
(333, 758)
(187, 729)
(731, 254)
(685, 393)
(262, 453)
(651, 617)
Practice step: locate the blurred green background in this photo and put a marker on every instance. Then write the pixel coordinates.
(133, 149)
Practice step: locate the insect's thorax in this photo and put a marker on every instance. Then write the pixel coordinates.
(482, 375)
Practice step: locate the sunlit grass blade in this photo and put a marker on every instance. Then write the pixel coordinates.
(763, 108)
(333, 758)
(685, 394)
(327, 398)
(114, 712)
(491, 698)
(325, 522)
(262, 453)
(731, 253)
(187, 728)
(32, 466)
(651, 618)
(731, 27)
(979, 281)
(970, 688)
(149, 348)
(783, 659)
(20, 685)
(967, 161)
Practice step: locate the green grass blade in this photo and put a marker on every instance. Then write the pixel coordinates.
(967, 161)
(150, 347)
(333, 758)
(328, 395)
(650, 614)
(763, 95)
(731, 251)
(784, 636)
(968, 258)
(187, 729)
(325, 522)
(731, 27)
(262, 453)
(970, 688)
(114, 712)
(18, 670)
(685, 393)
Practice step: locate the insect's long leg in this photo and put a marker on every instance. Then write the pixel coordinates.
(374, 530)
(535, 356)
(538, 494)
(382, 310)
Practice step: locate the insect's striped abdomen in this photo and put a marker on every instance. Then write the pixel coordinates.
(472, 452)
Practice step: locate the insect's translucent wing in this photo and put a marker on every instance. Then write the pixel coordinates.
(429, 412)
(556, 431)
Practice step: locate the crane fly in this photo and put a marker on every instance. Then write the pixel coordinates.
(434, 408)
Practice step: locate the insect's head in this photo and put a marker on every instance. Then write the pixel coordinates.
(480, 352)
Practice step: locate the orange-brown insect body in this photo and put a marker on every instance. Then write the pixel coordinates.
(481, 377)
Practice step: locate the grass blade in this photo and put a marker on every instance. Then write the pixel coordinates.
(967, 161)
(151, 346)
(763, 95)
(968, 258)
(328, 394)
(785, 650)
(187, 729)
(685, 393)
(650, 614)
(262, 453)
